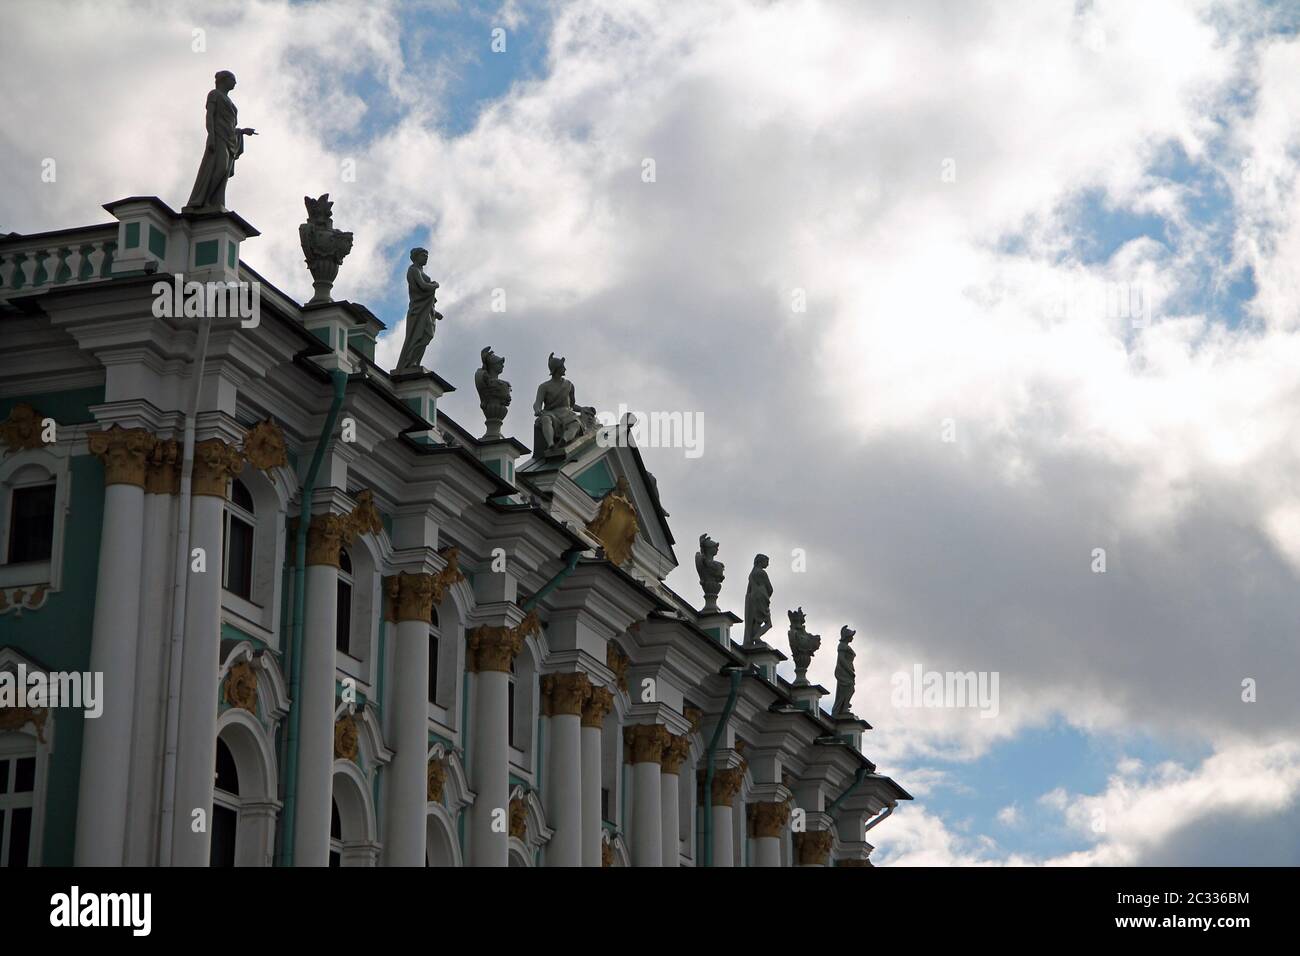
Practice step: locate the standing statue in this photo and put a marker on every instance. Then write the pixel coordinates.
(844, 677)
(758, 602)
(709, 568)
(225, 144)
(493, 391)
(323, 246)
(420, 314)
(559, 418)
(802, 646)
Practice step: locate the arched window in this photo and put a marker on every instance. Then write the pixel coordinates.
(433, 655)
(225, 808)
(343, 621)
(237, 541)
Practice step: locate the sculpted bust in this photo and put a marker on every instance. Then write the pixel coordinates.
(802, 645)
(758, 602)
(710, 571)
(493, 391)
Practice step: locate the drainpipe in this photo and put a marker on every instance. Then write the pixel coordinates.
(736, 673)
(880, 819)
(172, 734)
(340, 380)
(857, 782)
(570, 559)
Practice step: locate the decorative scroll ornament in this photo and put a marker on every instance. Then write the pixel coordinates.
(675, 753)
(616, 660)
(264, 446)
(16, 718)
(25, 598)
(240, 687)
(615, 525)
(163, 468)
(695, 716)
(437, 780)
(22, 429)
(518, 818)
(215, 464)
(449, 575)
(606, 853)
(598, 705)
(123, 452)
(345, 738)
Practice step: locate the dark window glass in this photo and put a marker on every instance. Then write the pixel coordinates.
(31, 525)
(239, 495)
(239, 558)
(345, 561)
(433, 615)
(20, 836)
(343, 623)
(604, 803)
(227, 772)
(336, 825)
(433, 668)
(510, 713)
(225, 822)
(335, 859)
(4, 776)
(25, 777)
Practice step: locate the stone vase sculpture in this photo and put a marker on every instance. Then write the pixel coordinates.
(710, 571)
(323, 246)
(802, 646)
(493, 392)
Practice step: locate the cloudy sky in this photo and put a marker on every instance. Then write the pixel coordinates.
(964, 293)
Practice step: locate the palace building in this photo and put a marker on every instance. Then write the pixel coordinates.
(332, 626)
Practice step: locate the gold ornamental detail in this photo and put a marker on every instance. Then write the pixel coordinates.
(598, 705)
(494, 648)
(346, 738)
(615, 525)
(675, 753)
(813, 847)
(215, 464)
(240, 687)
(124, 452)
(21, 431)
(647, 742)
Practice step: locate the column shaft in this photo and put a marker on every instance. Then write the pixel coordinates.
(491, 766)
(722, 838)
(670, 805)
(407, 784)
(564, 790)
(592, 826)
(311, 843)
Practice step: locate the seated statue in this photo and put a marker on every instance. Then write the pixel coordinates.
(560, 419)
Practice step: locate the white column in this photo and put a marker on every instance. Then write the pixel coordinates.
(492, 650)
(768, 821)
(767, 851)
(723, 854)
(669, 801)
(106, 740)
(564, 696)
(408, 774)
(593, 719)
(311, 844)
(151, 656)
(196, 751)
(647, 742)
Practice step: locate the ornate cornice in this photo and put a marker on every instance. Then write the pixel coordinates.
(565, 694)
(813, 847)
(215, 463)
(675, 753)
(494, 648)
(768, 819)
(163, 468)
(597, 707)
(437, 780)
(22, 429)
(240, 687)
(124, 452)
(647, 742)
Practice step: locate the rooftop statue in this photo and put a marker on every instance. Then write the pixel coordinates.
(710, 570)
(323, 246)
(802, 646)
(758, 602)
(844, 677)
(420, 314)
(560, 419)
(493, 391)
(225, 144)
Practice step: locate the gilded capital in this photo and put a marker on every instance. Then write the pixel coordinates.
(325, 535)
(215, 463)
(495, 648)
(727, 782)
(124, 452)
(163, 468)
(437, 780)
(813, 847)
(768, 819)
(410, 596)
(617, 661)
(647, 742)
(597, 706)
(854, 862)
(565, 693)
(675, 753)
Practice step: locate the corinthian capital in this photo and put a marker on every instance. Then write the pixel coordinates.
(675, 753)
(410, 596)
(647, 741)
(598, 705)
(215, 463)
(565, 693)
(124, 452)
(768, 819)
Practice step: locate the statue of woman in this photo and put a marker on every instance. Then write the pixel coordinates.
(844, 677)
(758, 602)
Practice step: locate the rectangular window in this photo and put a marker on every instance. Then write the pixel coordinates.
(239, 557)
(343, 623)
(433, 668)
(17, 781)
(31, 524)
(604, 803)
